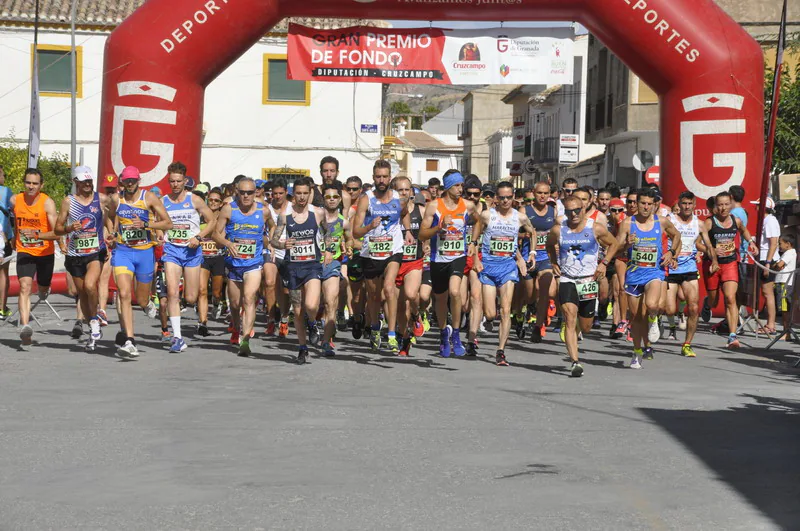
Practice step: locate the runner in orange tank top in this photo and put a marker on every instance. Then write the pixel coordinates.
(35, 217)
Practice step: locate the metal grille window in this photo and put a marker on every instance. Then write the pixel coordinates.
(55, 67)
(278, 89)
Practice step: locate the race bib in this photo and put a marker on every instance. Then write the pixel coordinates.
(245, 248)
(469, 235)
(303, 250)
(541, 241)
(725, 248)
(452, 244)
(209, 248)
(86, 243)
(501, 246)
(380, 246)
(30, 243)
(179, 234)
(644, 256)
(687, 246)
(587, 290)
(409, 252)
(132, 236)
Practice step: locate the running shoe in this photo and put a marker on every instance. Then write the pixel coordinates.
(444, 341)
(120, 338)
(392, 344)
(151, 310)
(329, 351)
(128, 350)
(602, 311)
(682, 322)
(672, 335)
(419, 328)
(314, 334)
(283, 329)
(596, 323)
(537, 334)
(648, 353)
(95, 331)
(270, 331)
(235, 338)
(620, 330)
(230, 326)
(91, 345)
(202, 329)
(101, 314)
(405, 349)
(166, 336)
(551, 309)
(653, 334)
(488, 326)
(628, 336)
(636, 361)
(519, 326)
(458, 347)
(358, 327)
(26, 335)
(733, 342)
(341, 322)
(375, 340)
(688, 351)
(6, 313)
(705, 313)
(472, 349)
(576, 369)
(302, 356)
(500, 359)
(218, 311)
(557, 324)
(178, 345)
(77, 330)
(244, 348)
(425, 323)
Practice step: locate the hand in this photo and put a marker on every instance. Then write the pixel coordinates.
(31, 234)
(289, 243)
(765, 273)
(600, 273)
(327, 258)
(667, 261)
(110, 239)
(477, 265)
(523, 268)
(631, 239)
(160, 238)
(74, 227)
(409, 238)
(471, 250)
(349, 251)
(137, 223)
(375, 223)
(446, 221)
(714, 266)
(232, 250)
(194, 243)
(556, 269)
(271, 251)
(753, 248)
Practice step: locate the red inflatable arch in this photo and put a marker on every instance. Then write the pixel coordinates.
(706, 69)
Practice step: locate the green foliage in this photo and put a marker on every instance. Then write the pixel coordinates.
(55, 170)
(786, 155)
(399, 108)
(430, 111)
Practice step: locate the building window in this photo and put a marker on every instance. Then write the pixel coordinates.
(278, 89)
(289, 175)
(55, 67)
(432, 165)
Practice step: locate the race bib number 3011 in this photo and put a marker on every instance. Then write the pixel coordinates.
(303, 250)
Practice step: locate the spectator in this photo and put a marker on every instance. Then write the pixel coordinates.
(6, 238)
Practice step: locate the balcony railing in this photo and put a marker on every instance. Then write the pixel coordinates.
(464, 130)
(545, 150)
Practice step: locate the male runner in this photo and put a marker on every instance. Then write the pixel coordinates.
(183, 255)
(409, 278)
(136, 213)
(472, 194)
(500, 264)
(213, 268)
(380, 219)
(356, 291)
(240, 229)
(685, 276)
(616, 213)
(434, 187)
(109, 186)
(645, 272)
(568, 187)
(7, 249)
(578, 265)
(338, 228)
(82, 219)
(722, 228)
(444, 224)
(303, 226)
(276, 274)
(35, 215)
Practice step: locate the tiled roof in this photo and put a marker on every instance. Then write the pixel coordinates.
(111, 13)
(422, 140)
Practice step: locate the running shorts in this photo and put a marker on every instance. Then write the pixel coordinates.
(442, 271)
(498, 273)
(375, 268)
(140, 263)
(215, 264)
(77, 265)
(183, 256)
(300, 275)
(40, 266)
(406, 268)
(726, 273)
(568, 294)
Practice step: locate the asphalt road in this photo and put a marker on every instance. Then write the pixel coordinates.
(207, 440)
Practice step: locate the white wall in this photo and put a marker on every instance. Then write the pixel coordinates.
(419, 175)
(242, 134)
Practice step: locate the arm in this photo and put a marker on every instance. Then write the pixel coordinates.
(747, 237)
(359, 230)
(477, 230)
(206, 214)
(52, 217)
(60, 228)
(426, 232)
(552, 241)
(624, 236)
(611, 245)
(706, 243)
(327, 236)
(218, 234)
(675, 242)
(164, 222)
(275, 237)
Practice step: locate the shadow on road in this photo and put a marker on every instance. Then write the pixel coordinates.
(755, 449)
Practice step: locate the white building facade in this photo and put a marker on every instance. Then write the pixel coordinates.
(499, 154)
(256, 122)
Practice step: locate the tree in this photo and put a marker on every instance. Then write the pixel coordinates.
(398, 109)
(430, 111)
(55, 169)
(786, 156)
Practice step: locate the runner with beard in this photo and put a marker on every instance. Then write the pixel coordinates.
(213, 267)
(472, 194)
(603, 205)
(426, 289)
(616, 213)
(578, 266)
(276, 274)
(356, 290)
(621, 265)
(586, 195)
(499, 263)
(380, 218)
(409, 278)
(444, 224)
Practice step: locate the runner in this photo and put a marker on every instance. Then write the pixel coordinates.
(35, 217)
(7, 249)
(183, 255)
(380, 219)
(472, 194)
(409, 278)
(136, 213)
(276, 275)
(338, 229)
(645, 273)
(620, 309)
(722, 228)
(621, 265)
(500, 263)
(685, 275)
(82, 219)
(213, 267)
(444, 224)
(577, 263)
(304, 224)
(240, 229)
(356, 291)
(426, 289)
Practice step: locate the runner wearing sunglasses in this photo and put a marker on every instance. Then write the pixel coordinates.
(213, 267)
(338, 230)
(472, 287)
(276, 274)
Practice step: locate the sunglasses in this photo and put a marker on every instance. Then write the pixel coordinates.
(473, 194)
(332, 196)
(572, 211)
(505, 197)
(618, 210)
(528, 200)
(246, 192)
(630, 201)
(569, 190)
(355, 189)
(126, 181)
(214, 200)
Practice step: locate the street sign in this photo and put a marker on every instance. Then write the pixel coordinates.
(515, 169)
(568, 140)
(529, 166)
(369, 128)
(567, 155)
(642, 160)
(653, 175)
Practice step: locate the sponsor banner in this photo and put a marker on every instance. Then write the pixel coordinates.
(518, 140)
(501, 56)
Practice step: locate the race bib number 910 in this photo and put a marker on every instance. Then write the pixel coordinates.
(452, 244)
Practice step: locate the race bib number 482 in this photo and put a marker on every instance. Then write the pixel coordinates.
(381, 246)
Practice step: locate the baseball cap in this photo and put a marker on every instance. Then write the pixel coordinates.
(189, 183)
(260, 183)
(419, 199)
(201, 188)
(616, 203)
(488, 188)
(83, 173)
(770, 203)
(110, 181)
(156, 190)
(130, 172)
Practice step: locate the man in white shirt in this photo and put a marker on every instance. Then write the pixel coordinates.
(785, 279)
(770, 232)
